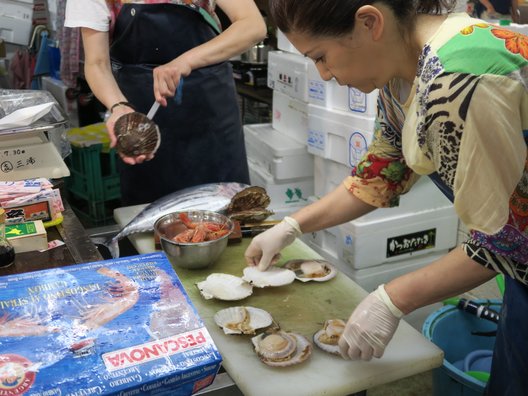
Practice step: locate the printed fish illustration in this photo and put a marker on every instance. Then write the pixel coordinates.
(213, 196)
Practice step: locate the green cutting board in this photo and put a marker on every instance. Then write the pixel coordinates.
(301, 308)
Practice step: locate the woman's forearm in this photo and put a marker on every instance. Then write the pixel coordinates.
(247, 28)
(337, 207)
(97, 68)
(449, 276)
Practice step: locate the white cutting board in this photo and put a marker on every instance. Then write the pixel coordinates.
(299, 307)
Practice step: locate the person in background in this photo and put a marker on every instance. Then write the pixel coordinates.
(453, 106)
(138, 52)
(494, 9)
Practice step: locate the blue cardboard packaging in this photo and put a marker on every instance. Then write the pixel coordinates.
(114, 327)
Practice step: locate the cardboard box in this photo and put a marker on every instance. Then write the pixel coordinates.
(26, 237)
(120, 327)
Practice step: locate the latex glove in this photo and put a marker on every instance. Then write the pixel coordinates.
(265, 248)
(370, 327)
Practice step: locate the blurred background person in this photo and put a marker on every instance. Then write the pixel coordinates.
(137, 52)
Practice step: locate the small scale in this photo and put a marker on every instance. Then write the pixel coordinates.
(27, 152)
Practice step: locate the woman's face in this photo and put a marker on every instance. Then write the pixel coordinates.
(353, 60)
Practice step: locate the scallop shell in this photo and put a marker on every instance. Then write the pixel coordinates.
(242, 320)
(136, 135)
(281, 349)
(311, 270)
(273, 276)
(328, 336)
(224, 287)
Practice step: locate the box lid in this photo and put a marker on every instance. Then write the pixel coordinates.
(273, 141)
(102, 328)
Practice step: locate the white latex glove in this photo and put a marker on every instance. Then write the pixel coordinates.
(264, 249)
(370, 327)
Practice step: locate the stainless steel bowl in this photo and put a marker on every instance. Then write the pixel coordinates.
(191, 255)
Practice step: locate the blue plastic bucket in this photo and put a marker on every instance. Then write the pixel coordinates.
(451, 330)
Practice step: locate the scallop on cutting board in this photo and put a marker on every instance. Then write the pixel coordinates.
(301, 308)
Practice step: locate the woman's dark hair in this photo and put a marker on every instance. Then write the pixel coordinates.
(336, 17)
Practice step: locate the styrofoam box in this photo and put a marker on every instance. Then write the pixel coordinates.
(16, 21)
(288, 73)
(279, 212)
(280, 155)
(284, 44)
(58, 89)
(331, 95)
(339, 136)
(328, 175)
(283, 193)
(290, 116)
(375, 239)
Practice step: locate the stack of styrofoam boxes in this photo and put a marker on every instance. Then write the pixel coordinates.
(18, 17)
(277, 153)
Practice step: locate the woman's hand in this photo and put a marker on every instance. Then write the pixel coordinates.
(117, 112)
(167, 78)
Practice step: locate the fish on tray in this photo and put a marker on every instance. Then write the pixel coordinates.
(216, 197)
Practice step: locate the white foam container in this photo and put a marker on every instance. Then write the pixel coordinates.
(283, 193)
(288, 73)
(337, 135)
(331, 95)
(328, 175)
(279, 155)
(284, 44)
(290, 116)
(391, 234)
(16, 21)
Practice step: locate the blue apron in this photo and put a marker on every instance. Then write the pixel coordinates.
(202, 139)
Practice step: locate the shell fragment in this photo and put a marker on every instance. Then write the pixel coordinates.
(224, 287)
(311, 270)
(242, 320)
(272, 277)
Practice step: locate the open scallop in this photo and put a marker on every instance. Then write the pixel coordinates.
(311, 270)
(281, 349)
(328, 336)
(242, 320)
(272, 277)
(224, 287)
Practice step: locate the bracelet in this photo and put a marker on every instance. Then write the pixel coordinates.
(120, 104)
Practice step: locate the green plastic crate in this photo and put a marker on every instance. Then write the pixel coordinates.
(93, 187)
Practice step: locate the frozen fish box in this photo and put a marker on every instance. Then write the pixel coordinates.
(123, 326)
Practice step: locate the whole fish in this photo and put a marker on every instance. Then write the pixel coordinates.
(213, 196)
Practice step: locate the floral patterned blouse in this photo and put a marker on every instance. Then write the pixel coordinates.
(466, 125)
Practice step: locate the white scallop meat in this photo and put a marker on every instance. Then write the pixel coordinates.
(311, 270)
(281, 349)
(242, 320)
(327, 338)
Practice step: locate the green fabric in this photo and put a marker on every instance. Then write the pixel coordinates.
(210, 20)
(479, 52)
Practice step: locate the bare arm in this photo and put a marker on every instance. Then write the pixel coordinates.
(246, 29)
(337, 207)
(489, 7)
(98, 73)
(449, 276)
